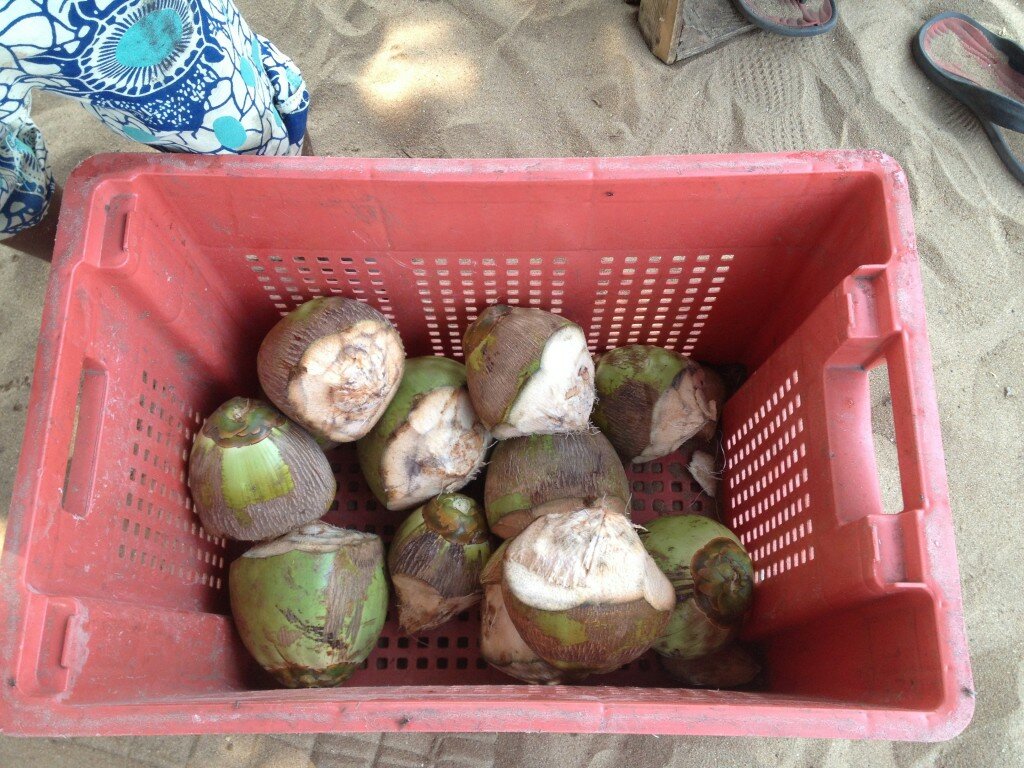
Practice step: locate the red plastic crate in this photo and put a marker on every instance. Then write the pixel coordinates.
(168, 272)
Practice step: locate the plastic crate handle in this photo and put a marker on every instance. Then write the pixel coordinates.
(875, 335)
(80, 471)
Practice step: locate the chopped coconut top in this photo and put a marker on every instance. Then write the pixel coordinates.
(441, 447)
(589, 555)
(346, 380)
(559, 396)
(315, 538)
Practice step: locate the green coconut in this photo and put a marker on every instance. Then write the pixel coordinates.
(332, 365)
(713, 580)
(731, 666)
(310, 605)
(255, 475)
(528, 477)
(652, 400)
(435, 561)
(583, 593)
(429, 439)
(529, 372)
(501, 645)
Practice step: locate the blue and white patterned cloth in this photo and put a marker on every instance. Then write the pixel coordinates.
(179, 75)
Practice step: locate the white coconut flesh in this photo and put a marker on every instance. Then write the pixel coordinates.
(439, 449)
(315, 538)
(344, 381)
(559, 396)
(674, 421)
(591, 555)
(702, 468)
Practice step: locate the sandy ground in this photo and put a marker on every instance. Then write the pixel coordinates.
(514, 78)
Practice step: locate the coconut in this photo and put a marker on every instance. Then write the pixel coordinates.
(435, 561)
(528, 477)
(310, 605)
(333, 366)
(529, 372)
(255, 475)
(729, 667)
(713, 579)
(651, 400)
(428, 441)
(582, 592)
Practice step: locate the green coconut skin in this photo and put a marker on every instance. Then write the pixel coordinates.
(435, 561)
(525, 473)
(311, 618)
(254, 474)
(713, 578)
(422, 375)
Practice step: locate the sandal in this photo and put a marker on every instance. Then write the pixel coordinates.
(982, 70)
(795, 18)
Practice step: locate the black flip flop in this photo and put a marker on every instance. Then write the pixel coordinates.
(981, 69)
(794, 18)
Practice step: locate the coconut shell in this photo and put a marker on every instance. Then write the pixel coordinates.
(729, 667)
(255, 475)
(333, 365)
(531, 476)
(645, 390)
(713, 578)
(503, 349)
(433, 456)
(310, 605)
(435, 561)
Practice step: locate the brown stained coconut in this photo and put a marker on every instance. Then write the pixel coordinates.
(582, 592)
(528, 477)
(505, 350)
(332, 365)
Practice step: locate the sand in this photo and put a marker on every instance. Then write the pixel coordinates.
(517, 78)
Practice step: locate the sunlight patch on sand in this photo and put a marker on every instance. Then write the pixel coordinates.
(416, 61)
